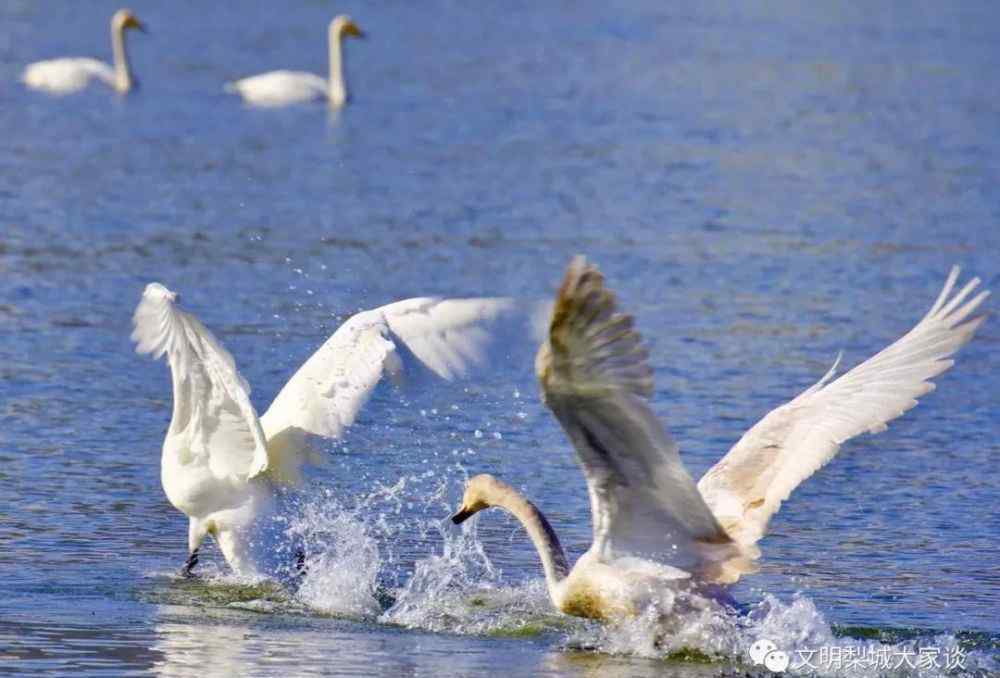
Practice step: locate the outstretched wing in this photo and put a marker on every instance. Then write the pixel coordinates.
(213, 418)
(446, 336)
(790, 443)
(595, 378)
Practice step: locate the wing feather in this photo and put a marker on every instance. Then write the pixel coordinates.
(323, 398)
(790, 443)
(213, 418)
(595, 378)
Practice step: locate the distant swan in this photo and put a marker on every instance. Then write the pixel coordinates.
(65, 76)
(281, 88)
(654, 529)
(222, 465)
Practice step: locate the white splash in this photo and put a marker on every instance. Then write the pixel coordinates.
(357, 566)
(457, 591)
(342, 560)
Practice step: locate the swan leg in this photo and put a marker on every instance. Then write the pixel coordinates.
(189, 564)
(196, 534)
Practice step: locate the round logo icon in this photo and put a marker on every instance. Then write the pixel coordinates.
(776, 660)
(760, 649)
(765, 653)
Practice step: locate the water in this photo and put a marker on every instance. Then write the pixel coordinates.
(763, 184)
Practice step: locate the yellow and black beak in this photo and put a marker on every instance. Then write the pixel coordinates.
(462, 515)
(351, 28)
(132, 22)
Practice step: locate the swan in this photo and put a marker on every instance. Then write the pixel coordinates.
(654, 530)
(225, 468)
(281, 88)
(69, 75)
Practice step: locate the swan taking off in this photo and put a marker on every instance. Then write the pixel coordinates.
(222, 466)
(654, 529)
(69, 75)
(282, 88)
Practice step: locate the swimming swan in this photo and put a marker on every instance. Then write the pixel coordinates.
(65, 76)
(281, 88)
(222, 466)
(654, 530)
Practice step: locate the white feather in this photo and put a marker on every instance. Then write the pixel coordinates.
(790, 443)
(280, 88)
(220, 463)
(447, 336)
(595, 378)
(67, 75)
(213, 418)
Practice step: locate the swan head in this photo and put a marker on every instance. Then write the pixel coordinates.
(482, 491)
(126, 18)
(344, 25)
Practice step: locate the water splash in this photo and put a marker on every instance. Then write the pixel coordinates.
(358, 566)
(806, 642)
(342, 560)
(461, 591)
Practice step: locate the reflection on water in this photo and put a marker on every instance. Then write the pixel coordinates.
(222, 644)
(100, 648)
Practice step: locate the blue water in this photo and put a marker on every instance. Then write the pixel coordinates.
(763, 184)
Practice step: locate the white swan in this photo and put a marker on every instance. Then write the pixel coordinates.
(65, 76)
(221, 464)
(281, 88)
(653, 527)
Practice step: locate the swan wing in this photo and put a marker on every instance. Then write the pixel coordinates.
(790, 443)
(596, 379)
(279, 87)
(445, 336)
(66, 75)
(213, 418)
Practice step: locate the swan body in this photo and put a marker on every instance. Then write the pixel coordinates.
(595, 587)
(657, 533)
(228, 469)
(69, 75)
(283, 88)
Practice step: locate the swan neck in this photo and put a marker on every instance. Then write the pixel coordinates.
(542, 536)
(338, 90)
(123, 74)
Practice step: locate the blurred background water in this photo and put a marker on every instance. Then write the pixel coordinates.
(764, 184)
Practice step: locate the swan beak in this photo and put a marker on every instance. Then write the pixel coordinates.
(132, 22)
(462, 515)
(351, 28)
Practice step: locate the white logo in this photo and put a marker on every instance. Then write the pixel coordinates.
(766, 653)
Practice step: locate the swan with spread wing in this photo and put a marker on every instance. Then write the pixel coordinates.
(654, 529)
(223, 466)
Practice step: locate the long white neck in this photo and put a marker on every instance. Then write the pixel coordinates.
(542, 536)
(338, 90)
(123, 75)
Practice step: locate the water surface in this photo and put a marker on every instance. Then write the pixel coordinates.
(763, 184)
